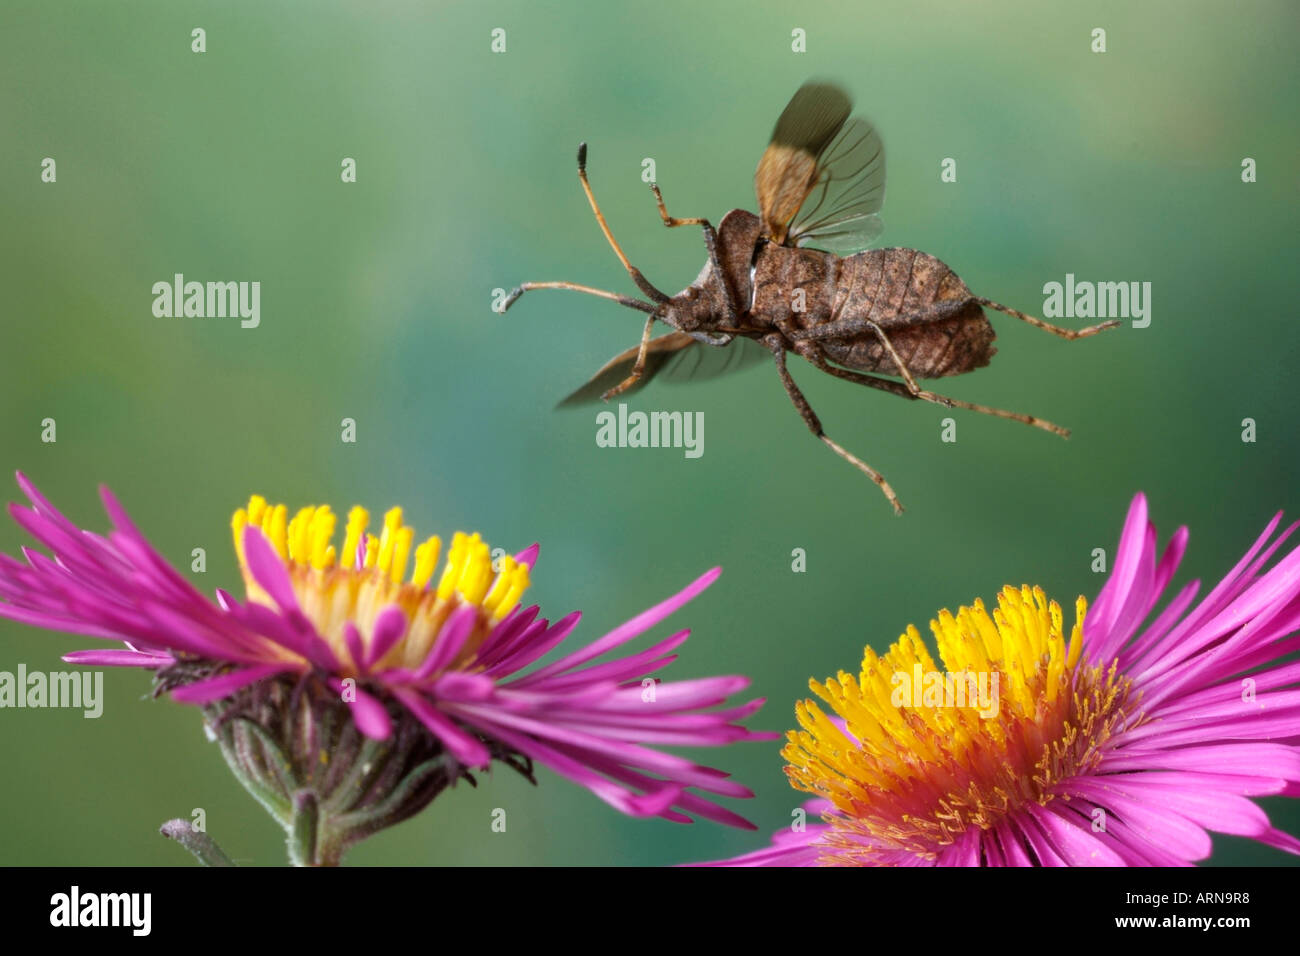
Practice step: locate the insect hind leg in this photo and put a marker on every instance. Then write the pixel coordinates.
(851, 327)
(898, 388)
(1047, 326)
(777, 346)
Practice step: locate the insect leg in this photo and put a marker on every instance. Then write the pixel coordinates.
(710, 243)
(641, 281)
(776, 344)
(1048, 327)
(671, 221)
(1034, 420)
(638, 367)
(849, 328)
(852, 327)
(520, 289)
(898, 388)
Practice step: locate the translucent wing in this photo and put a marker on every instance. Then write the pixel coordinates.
(844, 237)
(840, 212)
(789, 168)
(673, 358)
(821, 180)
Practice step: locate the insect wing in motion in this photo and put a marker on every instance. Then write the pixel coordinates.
(821, 180)
(673, 358)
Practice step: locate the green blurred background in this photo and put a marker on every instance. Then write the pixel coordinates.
(376, 306)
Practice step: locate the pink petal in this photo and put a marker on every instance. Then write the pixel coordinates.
(118, 659)
(462, 746)
(390, 627)
(369, 714)
(215, 688)
(636, 626)
(268, 570)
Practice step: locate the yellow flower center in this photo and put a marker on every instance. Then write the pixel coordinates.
(934, 752)
(334, 590)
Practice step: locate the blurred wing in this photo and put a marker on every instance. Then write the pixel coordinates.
(790, 168)
(840, 213)
(673, 358)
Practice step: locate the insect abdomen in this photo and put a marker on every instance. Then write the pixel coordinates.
(890, 285)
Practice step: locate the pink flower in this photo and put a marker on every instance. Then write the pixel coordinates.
(1125, 746)
(455, 656)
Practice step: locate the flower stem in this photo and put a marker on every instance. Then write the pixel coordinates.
(306, 848)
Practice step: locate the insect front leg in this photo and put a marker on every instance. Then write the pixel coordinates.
(672, 221)
(776, 343)
(638, 368)
(710, 243)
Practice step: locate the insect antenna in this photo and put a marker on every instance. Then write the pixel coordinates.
(625, 300)
(645, 285)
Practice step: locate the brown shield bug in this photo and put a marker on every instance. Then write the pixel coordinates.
(790, 279)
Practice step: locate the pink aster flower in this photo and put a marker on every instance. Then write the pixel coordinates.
(1124, 745)
(346, 695)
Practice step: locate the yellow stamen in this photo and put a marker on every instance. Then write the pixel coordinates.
(387, 539)
(426, 560)
(256, 508)
(401, 553)
(358, 518)
(333, 592)
(274, 526)
(322, 532)
(297, 535)
(1010, 714)
(455, 565)
(237, 525)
